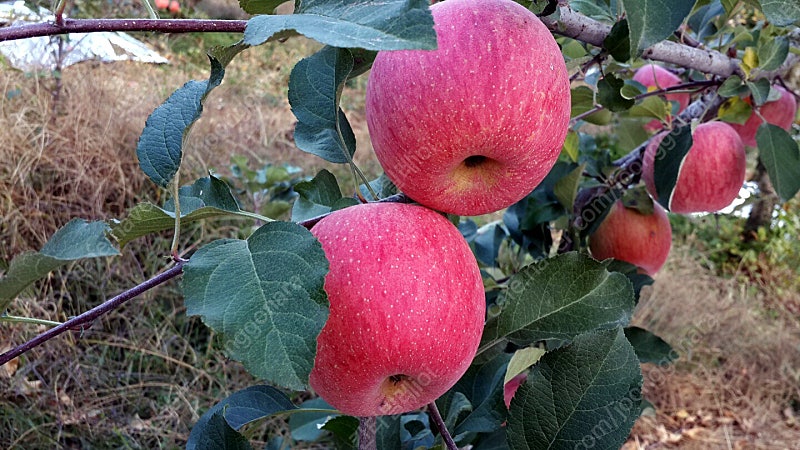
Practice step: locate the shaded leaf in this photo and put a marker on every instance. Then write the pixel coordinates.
(260, 6)
(307, 425)
(559, 298)
(315, 87)
(386, 25)
(780, 155)
(652, 21)
(587, 394)
(566, 188)
(781, 12)
(206, 198)
(582, 100)
(649, 348)
(652, 107)
(773, 53)
(344, 430)
(78, 239)
(759, 89)
(265, 296)
(668, 161)
(609, 95)
(735, 110)
(618, 41)
(733, 86)
(219, 424)
(160, 146)
(319, 196)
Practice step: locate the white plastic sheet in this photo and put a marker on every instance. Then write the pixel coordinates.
(41, 53)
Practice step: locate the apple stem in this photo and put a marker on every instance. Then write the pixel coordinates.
(367, 433)
(437, 418)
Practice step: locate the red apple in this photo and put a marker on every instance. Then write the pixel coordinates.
(475, 125)
(712, 173)
(781, 112)
(407, 308)
(510, 388)
(656, 77)
(162, 4)
(174, 7)
(626, 234)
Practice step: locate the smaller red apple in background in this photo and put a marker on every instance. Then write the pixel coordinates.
(781, 112)
(174, 7)
(626, 234)
(657, 77)
(712, 173)
(510, 388)
(162, 4)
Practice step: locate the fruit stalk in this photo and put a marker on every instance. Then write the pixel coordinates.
(367, 433)
(437, 418)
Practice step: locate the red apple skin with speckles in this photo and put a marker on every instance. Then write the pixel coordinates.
(781, 112)
(657, 77)
(407, 309)
(474, 126)
(626, 234)
(712, 173)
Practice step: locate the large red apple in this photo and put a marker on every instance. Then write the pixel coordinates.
(656, 77)
(626, 234)
(781, 112)
(712, 173)
(407, 308)
(475, 125)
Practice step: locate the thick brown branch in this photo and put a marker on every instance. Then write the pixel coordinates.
(585, 29)
(95, 25)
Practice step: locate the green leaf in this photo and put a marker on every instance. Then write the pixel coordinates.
(729, 5)
(482, 387)
(315, 87)
(651, 107)
(760, 90)
(216, 429)
(572, 146)
(733, 86)
(618, 41)
(260, 6)
(78, 239)
(734, 110)
(265, 296)
(160, 147)
(668, 161)
(522, 359)
(307, 425)
(208, 197)
(780, 155)
(608, 94)
(773, 53)
(542, 7)
(216, 434)
(652, 21)
(344, 430)
(385, 25)
(781, 12)
(318, 196)
(649, 348)
(382, 186)
(582, 98)
(566, 188)
(388, 432)
(638, 280)
(586, 395)
(559, 298)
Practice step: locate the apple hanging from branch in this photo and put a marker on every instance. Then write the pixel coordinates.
(643, 239)
(654, 77)
(711, 174)
(475, 125)
(407, 308)
(781, 112)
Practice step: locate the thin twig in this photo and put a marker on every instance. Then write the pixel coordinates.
(367, 433)
(128, 25)
(78, 322)
(680, 87)
(437, 418)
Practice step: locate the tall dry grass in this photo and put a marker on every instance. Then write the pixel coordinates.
(736, 384)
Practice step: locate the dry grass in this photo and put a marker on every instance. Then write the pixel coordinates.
(737, 382)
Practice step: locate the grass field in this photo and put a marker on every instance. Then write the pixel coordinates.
(141, 376)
